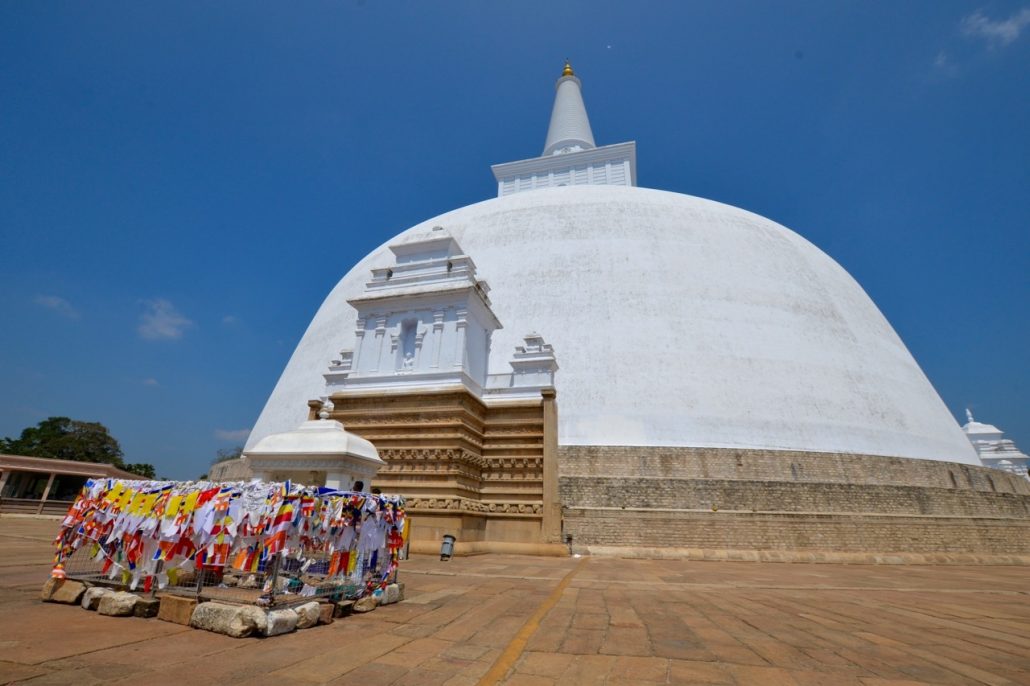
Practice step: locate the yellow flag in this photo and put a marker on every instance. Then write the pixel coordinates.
(115, 492)
(137, 503)
(148, 503)
(173, 506)
(191, 502)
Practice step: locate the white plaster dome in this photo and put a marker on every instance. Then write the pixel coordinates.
(316, 438)
(676, 321)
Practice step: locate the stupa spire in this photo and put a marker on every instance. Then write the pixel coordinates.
(570, 128)
(570, 158)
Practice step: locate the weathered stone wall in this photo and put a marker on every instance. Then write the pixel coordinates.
(811, 532)
(780, 496)
(708, 498)
(230, 470)
(781, 465)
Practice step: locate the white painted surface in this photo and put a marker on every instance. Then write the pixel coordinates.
(569, 129)
(679, 321)
(570, 157)
(316, 446)
(609, 165)
(315, 439)
(424, 319)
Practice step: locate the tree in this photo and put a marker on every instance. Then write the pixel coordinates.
(67, 439)
(62, 438)
(144, 469)
(226, 454)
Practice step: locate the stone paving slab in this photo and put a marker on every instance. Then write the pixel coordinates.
(539, 621)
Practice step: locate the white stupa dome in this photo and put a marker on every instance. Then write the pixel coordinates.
(676, 321)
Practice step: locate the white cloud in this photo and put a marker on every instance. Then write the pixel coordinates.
(150, 382)
(57, 304)
(161, 321)
(232, 434)
(996, 33)
(944, 67)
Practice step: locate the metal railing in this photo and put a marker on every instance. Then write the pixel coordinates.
(33, 506)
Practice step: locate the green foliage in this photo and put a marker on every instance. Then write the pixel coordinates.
(225, 454)
(67, 439)
(62, 438)
(142, 468)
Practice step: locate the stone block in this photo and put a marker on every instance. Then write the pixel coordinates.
(391, 595)
(238, 621)
(365, 604)
(177, 609)
(248, 582)
(63, 591)
(307, 615)
(343, 608)
(49, 586)
(281, 622)
(120, 604)
(91, 598)
(400, 591)
(146, 607)
(326, 612)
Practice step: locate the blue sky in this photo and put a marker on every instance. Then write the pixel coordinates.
(181, 184)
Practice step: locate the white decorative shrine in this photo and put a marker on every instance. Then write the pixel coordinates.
(426, 321)
(994, 450)
(320, 452)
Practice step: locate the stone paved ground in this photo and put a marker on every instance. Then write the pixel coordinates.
(523, 621)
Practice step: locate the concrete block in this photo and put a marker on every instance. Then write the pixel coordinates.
(121, 604)
(91, 598)
(307, 615)
(343, 608)
(177, 609)
(237, 621)
(146, 607)
(281, 622)
(63, 591)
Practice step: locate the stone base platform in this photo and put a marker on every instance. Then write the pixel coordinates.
(707, 503)
(798, 556)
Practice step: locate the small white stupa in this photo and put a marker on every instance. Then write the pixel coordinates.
(318, 453)
(993, 449)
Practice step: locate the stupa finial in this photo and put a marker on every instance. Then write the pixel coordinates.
(570, 128)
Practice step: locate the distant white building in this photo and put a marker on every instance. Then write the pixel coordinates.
(993, 450)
